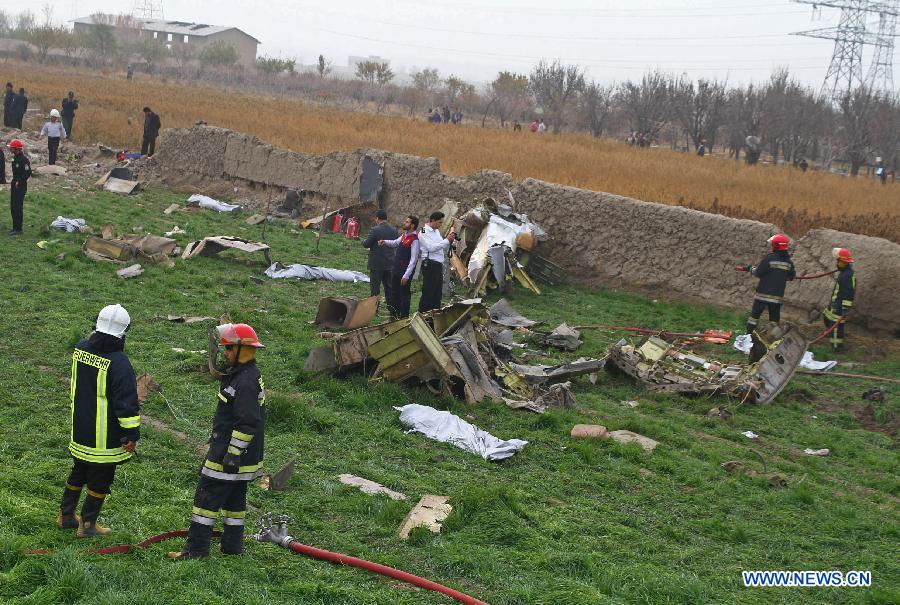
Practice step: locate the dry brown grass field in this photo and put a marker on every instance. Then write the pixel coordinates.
(111, 113)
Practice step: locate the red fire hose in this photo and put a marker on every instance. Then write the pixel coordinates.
(303, 549)
(333, 557)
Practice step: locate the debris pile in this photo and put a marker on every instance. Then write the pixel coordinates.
(455, 351)
(662, 366)
(494, 246)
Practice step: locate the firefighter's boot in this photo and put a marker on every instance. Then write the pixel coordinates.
(90, 510)
(232, 540)
(67, 519)
(197, 544)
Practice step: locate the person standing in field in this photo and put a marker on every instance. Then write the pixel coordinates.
(55, 132)
(20, 106)
(542, 128)
(9, 100)
(69, 106)
(21, 172)
(2, 165)
(235, 456)
(106, 420)
(405, 260)
(152, 124)
(841, 297)
(533, 127)
(380, 259)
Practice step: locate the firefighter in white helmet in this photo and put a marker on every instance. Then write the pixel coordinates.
(55, 133)
(105, 420)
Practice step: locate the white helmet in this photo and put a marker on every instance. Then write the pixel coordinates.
(113, 320)
(54, 113)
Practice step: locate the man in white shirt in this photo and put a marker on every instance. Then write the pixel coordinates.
(434, 252)
(54, 132)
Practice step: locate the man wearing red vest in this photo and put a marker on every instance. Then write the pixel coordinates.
(405, 260)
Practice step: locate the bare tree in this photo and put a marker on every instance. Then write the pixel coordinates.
(857, 123)
(596, 106)
(426, 80)
(374, 72)
(556, 87)
(648, 103)
(150, 51)
(699, 108)
(742, 118)
(5, 23)
(886, 131)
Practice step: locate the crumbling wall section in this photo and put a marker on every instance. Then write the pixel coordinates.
(598, 238)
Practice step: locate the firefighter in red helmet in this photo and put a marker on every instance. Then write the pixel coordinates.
(235, 454)
(774, 272)
(841, 297)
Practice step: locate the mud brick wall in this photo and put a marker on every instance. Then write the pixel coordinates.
(598, 238)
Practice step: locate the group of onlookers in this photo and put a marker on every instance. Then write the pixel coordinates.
(443, 115)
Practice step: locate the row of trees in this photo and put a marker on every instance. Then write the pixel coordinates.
(790, 121)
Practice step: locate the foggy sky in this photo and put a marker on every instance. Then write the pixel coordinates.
(739, 40)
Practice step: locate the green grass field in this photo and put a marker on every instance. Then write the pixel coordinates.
(562, 522)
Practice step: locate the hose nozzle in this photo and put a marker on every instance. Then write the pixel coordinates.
(274, 529)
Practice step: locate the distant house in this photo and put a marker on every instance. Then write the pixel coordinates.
(172, 34)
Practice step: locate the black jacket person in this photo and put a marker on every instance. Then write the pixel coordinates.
(152, 124)
(18, 185)
(235, 454)
(9, 100)
(381, 259)
(774, 271)
(105, 419)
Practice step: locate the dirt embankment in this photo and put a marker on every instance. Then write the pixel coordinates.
(599, 238)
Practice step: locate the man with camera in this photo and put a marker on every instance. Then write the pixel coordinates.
(434, 252)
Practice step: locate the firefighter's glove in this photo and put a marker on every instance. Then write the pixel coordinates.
(231, 463)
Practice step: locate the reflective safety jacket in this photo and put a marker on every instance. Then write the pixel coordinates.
(842, 295)
(238, 425)
(774, 272)
(103, 393)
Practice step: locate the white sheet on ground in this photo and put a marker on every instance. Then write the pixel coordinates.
(210, 204)
(744, 342)
(279, 271)
(446, 427)
(70, 225)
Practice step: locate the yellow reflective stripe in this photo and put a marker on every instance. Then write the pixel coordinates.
(234, 450)
(828, 313)
(100, 456)
(847, 303)
(215, 466)
(234, 514)
(223, 398)
(130, 422)
(242, 436)
(72, 380)
(204, 512)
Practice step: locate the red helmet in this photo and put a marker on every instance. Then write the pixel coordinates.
(16, 144)
(779, 241)
(842, 254)
(238, 334)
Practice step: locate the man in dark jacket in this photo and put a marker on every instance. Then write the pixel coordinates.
(69, 106)
(20, 106)
(106, 420)
(8, 100)
(841, 297)
(152, 124)
(235, 454)
(774, 272)
(18, 187)
(381, 259)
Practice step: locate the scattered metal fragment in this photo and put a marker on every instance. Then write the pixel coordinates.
(118, 180)
(370, 487)
(822, 452)
(562, 337)
(172, 208)
(255, 219)
(145, 386)
(189, 319)
(343, 312)
(211, 245)
(430, 512)
(539, 374)
(503, 313)
(151, 247)
(130, 271)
